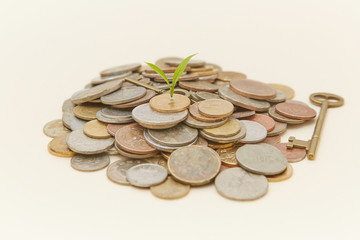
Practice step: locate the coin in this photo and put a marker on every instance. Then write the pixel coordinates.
(230, 128)
(113, 128)
(164, 103)
(146, 175)
(206, 73)
(154, 74)
(281, 176)
(210, 78)
(288, 91)
(88, 163)
(58, 147)
(192, 122)
(77, 123)
(238, 184)
(194, 111)
(66, 118)
(242, 114)
(201, 69)
(234, 138)
(179, 135)
(99, 79)
(295, 111)
(261, 158)
(215, 145)
(227, 156)
(161, 63)
(216, 108)
(201, 141)
(56, 154)
(80, 143)
(96, 129)
(253, 89)
(184, 77)
(133, 155)
(226, 93)
(228, 76)
(198, 86)
(170, 189)
(264, 120)
(131, 139)
(194, 165)
(167, 69)
(279, 129)
(161, 147)
(280, 97)
(292, 155)
(97, 91)
(87, 111)
(272, 140)
(116, 172)
(255, 132)
(281, 118)
(104, 119)
(55, 128)
(181, 92)
(68, 106)
(124, 95)
(120, 69)
(149, 118)
(192, 62)
(146, 98)
(115, 113)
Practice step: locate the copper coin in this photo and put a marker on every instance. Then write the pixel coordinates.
(272, 140)
(120, 69)
(194, 165)
(216, 108)
(184, 77)
(87, 111)
(192, 122)
(288, 91)
(228, 76)
(253, 89)
(131, 139)
(56, 154)
(164, 103)
(194, 111)
(55, 128)
(210, 78)
(281, 118)
(227, 156)
(295, 111)
(166, 69)
(242, 114)
(230, 128)
(199, 86)
(292, 155)
(133, 155)
(264, 120)
(59, 147)
(206, 73)
(279, 129)
(96, 129)
(282, 176)
(113, 128)
(148, 95)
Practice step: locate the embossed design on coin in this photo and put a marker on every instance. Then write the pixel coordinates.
(227, 156)
(146, 175)
(170, 189)
(55, 128)
(116, 172)
(88, 163)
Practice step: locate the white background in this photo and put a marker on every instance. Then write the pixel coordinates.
(50, 49)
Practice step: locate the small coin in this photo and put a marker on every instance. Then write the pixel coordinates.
(280, 97)
(55, 128)
(281, 118)
(229, 129)
(279, 129)
(194, 111)
(242, 114)
(252, 89)
(238, 184)
(292, 155)
(192, 122)
(146, 175)
(113, 128)
(261, 158)
(170, 189)
(228, 76)
(288, 91)
(295, 111)
(227, 156)
(264, 120)
(149, 94)
(282, 176)
(164, 103)
(255, 132)
(124, 95)
(192, 62)
(272, 140)
(216, 108)
(120, 69)
(104, 119)
(96, 129)
(233, 138)
(133, 155)
(99, 79)
(87, 111)
(226, 93)
(56, 154)
(116, 172)
(88, 163)
(198, 86)
(59, 147)
(80, 143)
(115, 113)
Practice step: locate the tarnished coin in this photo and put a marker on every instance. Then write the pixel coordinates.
(281, 118)
(99, 79)
(179, 135)
(113, 128)
(146, 175)
(230, 139)
(226, 93)
(198, 86)
(80, 143)
(288, 91)
(55, 128)
(104, 119)
(159, 146)
(238, 184)
(131, 139)
(116, 172)
(242, 114)
(255, 132)
(264, 120)
(133, 155)
(280, 97)
(192, 62)
(292, 155)
(230, 128)
(228, 76)
(115, 113)
(272, 140)
(194, 111)
(124, 95)
(184, 77)
(192, 122)
(216, 108)
(59, 148)
(120, 69)
(152, 119)
(164, 103)
(279, 129)
(261, 158)
(295, 111)
(97, 91)
(87, 111)
(89, 163)
(281, 176)
(96, 129)
(170, 189)
(149, 94)
(253, 89)
(194, 165)
(227, 156)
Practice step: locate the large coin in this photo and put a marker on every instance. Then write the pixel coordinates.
(164, 103)
(238, 184)
(255, 132)
(55, 128)
(170, 189)
(194, 165)
(116, 171)
(295, 111)
(216, 108)
(281, 118)
(253, 89)
(230, 128)
(96, 129)
(192, 122)
(199, 86)
(261, 158)
(228, 76)
(124, 95)
(88, 163)
(146, 175)
(120, 69)
(149, 94)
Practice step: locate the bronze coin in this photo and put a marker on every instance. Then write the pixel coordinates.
(194, 111)
(87, 111)
(227, 156)
(282, 176)
(215, 145)
(199, 86)
(56, 154)
(292, 155)
(201, 141)
(289, 92)
(281, 118)
(228, 76)
(264, 120)
(148, 95)
(242, 114)
(279, 129)
(96, 129)
(164, 103)
(170, 189)
(216, 108)
(59, 147)
(55, 128)
(272, 140)
(252, 89)
(229, 129)
(131, 139)
(295, 111)
(113, 128)
(191, 122)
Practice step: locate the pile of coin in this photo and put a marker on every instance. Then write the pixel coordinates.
(219, 126)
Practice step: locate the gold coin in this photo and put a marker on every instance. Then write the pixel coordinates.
(59, 147)
(228, 76)
(216, 108)
(215, 145)
(230, 128)
(170, 189)
(206, 73)
(289, 92)
(203, 69)
(165, 155)
(227, 156)
(163, 103)
(282, 176)
(55, 128)
(201, 141)
(96, 129)
(87, 111)
(58, 154)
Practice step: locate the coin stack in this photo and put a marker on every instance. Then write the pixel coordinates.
(219, 126)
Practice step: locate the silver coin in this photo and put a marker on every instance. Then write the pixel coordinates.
(162, 147)
(55, 128)
(234, 138)
(124, 95)
(281, 118)
(280, 97)
(146, 175)
(279, 129)
(115, 113)
(238, 184)
(112, 151)
(194, 97)
(160, 85)
(99, 79)
(192, 62)
(261, 158)
(104, 119)
(88, 163)
(208, 78)
(149, 118)
(78, 142)
(192, 122)
(77, 123)
(116, 171)
(120, 69)
(226, 93)
(133, 155)
(207, 95)
(68, 106)
(255, 132)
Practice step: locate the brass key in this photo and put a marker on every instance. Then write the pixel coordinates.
(324, 100)
(136, 82)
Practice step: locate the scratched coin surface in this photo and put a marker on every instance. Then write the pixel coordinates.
(59, 147)
(55, 128)
(230, 128)
(281, 118)
(87, 111)
(116, 172)
(255, 132)
(238, 184)
(194, 165)
(146, 98)
(124, 95)
(216, 108)
(80, 143)
(228, 76)
(282, 176)
(264, 120)
(199, 86)
(194, 111)
(280, 128)
(253, 89)
(88, 163)
(96, 129)
(292, 155)
(295, 111)
(192, 122)
(261, 158)
(170, 189)
(146, 175)
(120, 69)
(288, 91)
(164, 103)
(227, 156)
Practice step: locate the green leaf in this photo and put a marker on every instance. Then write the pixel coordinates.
(180, 69)
(160, 72)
